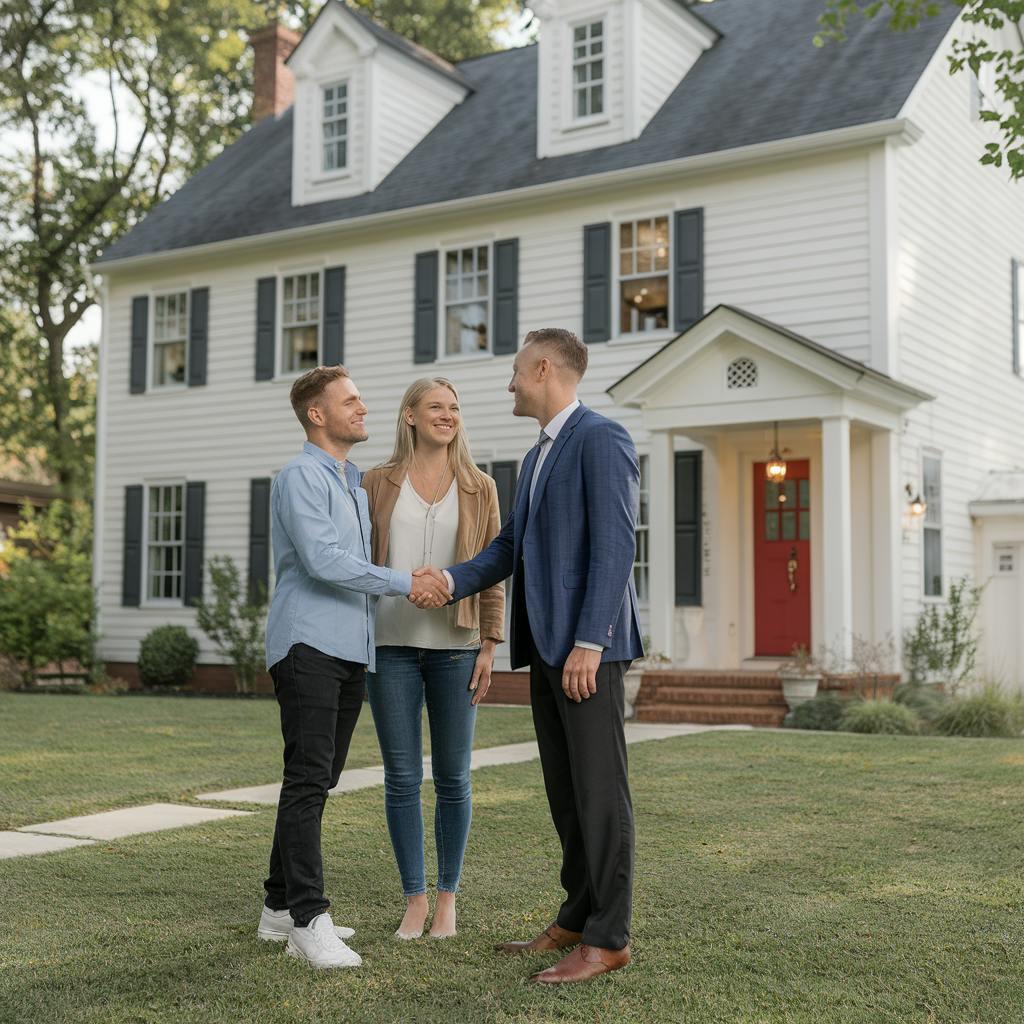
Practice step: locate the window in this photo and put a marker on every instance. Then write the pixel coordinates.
(1005, 560)
(643, 275)
(932, 472)
(467, 285)
(170, 337)
(300, 323)
(1017, 270)
(165, 542)
(335, 128)
(641, 567)
(588, 70)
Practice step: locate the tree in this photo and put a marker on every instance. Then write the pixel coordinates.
(994, 55)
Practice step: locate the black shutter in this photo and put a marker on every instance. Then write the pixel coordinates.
(688, 528)
(131, 561)
(597, 283)
(259, 539)
(266, 322)
(505, 474)
(198, 328)
(334, 316)
(425, 315)
(1016, 280)
(195, 523)
(688, 268)
(506, 296)
(140, 337)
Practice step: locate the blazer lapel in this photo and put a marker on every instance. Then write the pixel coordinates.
(556, 448)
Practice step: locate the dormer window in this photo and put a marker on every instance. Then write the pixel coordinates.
(335, 128)
(588, 70)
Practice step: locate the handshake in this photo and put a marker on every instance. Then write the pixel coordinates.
(429, 588)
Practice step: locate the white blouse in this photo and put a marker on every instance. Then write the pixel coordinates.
(422, 534)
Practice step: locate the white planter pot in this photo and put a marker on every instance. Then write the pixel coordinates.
(632, 682)
(798, 689)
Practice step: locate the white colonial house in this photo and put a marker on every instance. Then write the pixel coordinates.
(775, 253)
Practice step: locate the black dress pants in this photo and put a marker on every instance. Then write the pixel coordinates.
(320, 698)
(583, 756)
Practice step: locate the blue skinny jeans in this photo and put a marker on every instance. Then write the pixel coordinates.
(406, 677)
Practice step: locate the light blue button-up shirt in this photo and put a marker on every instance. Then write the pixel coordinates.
(327, 587)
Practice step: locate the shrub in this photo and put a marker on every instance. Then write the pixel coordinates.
(926, 701)
(821, 712)
(47, 608)
(989, 713)
(167, 656)
(880, 716)
(943, 642)
(236, 624)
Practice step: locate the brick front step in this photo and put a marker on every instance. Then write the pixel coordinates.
(703, 714)
(706, 678)
(725, 695)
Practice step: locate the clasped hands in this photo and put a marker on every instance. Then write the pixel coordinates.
(429, 588)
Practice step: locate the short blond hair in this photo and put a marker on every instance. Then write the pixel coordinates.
(567, 346)
(310, 386)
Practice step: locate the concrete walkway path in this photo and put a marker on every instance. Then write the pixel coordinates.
(132, 821)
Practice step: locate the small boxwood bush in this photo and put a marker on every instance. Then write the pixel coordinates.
(821, 712)
(880, 716)
(989, 713)
(167, 656)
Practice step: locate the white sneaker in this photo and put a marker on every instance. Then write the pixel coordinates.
(277, 925)
(319, 945)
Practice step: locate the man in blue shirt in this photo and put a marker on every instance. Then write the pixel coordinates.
(319, 644)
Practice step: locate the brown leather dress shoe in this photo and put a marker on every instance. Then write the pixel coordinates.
(582, 964)
(552, 938)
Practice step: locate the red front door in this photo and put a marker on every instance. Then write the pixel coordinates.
(782, 560)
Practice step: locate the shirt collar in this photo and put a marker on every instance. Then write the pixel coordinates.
(557, 422)
(330, 461)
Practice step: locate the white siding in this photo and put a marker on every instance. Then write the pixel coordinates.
(788, 242)
(959, 225)
(666, 50)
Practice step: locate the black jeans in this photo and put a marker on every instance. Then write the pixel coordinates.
(583, 756)
(320, 699)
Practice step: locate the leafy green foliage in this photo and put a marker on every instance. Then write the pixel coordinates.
(926, 701)
(821, 712)
(46, 597)
(167, 656)
(880, 716)
(988, 27)
(943, 642)
(988, 713)
(236, 625)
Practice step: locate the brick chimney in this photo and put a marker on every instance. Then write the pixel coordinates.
(273, 83)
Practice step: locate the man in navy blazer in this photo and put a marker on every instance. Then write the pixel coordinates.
(569, 543)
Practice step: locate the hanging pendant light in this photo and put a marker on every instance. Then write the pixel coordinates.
(775, 468)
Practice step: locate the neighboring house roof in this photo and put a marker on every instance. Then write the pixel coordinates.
(763, 81)
(395, 41)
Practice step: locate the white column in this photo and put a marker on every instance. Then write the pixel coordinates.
(837, 546)
(662, 543)
(886, 526)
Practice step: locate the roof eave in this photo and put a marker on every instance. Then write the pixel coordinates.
(853, 136)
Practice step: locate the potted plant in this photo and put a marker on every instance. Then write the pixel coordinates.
(800, 677)
(635, 675)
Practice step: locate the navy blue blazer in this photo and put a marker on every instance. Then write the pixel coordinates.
(571, 555)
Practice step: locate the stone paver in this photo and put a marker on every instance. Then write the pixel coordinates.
(22, 844)
(132, 821)
(486, 757)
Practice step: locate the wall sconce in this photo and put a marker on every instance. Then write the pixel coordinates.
(775, 467)
(918, 506)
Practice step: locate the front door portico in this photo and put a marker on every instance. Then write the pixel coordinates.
(813, 568)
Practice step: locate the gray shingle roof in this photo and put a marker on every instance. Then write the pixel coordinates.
(762, 81)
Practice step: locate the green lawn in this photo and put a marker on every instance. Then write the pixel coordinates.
(64, 755)
(819, 879)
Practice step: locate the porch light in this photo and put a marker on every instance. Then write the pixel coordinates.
(918, 506)
(775, 468)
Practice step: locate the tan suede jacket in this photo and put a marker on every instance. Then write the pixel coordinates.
(479, 523)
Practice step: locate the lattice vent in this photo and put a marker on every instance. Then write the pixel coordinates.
(742, 373)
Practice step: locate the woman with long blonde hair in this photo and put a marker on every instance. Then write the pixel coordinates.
(430, 505)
